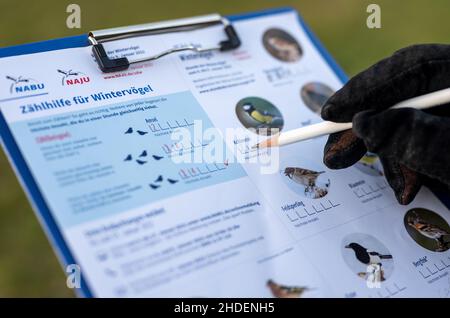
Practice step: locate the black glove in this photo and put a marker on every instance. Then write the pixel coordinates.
(413, 145)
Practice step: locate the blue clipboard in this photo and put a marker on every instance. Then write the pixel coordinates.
(26, 179)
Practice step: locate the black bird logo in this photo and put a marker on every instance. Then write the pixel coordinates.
(68, 74)
(129, 131)
(17, 81)
(366, 256)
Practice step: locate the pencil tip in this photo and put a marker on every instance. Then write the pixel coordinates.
(272, 142)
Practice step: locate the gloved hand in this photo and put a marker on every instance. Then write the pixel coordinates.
(413, 145)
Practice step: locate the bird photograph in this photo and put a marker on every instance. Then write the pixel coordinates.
(17, 81)
(308, 180)
(367, 257)
(283, 291)
(260, 115)
(370, 164)
(315, 95)
(281, 45)
(428, 229)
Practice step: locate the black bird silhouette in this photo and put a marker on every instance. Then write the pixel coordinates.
(128, 158)
(159, 179)
(141, 162)
(143, 154)
(140, 132)
(154, 186)
(157, 157)
(19, 79)
(67, 74)
(129, 130)
(367, 257)
(172, 181)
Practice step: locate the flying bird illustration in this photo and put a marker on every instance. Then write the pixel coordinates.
(68, 74)
(366, 256)
(129, 131)
(430, 231)
(140, 132)
(159, 179)
(302, 176)
(154, 186)
(157, 157)
(141, 162)
(128, 158)
(143, 154)
(172, 181)
(282, 291)
(18, 80)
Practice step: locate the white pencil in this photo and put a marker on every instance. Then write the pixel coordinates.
(327, 127)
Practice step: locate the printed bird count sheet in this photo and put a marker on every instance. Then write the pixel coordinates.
(146, 178)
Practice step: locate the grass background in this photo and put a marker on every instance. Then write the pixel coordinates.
(28, 266)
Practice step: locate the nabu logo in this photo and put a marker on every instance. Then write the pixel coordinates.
(23, 85)
(72, 78)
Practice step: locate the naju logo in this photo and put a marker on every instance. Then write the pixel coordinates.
(24, 85)
(71, 77)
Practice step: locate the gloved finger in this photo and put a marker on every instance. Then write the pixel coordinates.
(410, 72)
(414, 138)
(404, 182)
(343, 149)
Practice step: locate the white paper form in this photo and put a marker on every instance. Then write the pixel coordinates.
(101, 148)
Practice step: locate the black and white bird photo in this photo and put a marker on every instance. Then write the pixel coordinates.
(367, 257)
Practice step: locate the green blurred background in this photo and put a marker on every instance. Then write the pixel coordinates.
(28, 266)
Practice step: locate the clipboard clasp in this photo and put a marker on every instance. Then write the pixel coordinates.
(108, 65)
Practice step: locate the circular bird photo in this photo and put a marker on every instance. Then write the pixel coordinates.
(306, 179)
(315, 95)
(281, 45)
(367, 257)
(370, 164)
(259, 114)
(428, 229)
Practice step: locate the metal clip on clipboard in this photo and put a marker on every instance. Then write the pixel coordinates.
(108, 65)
